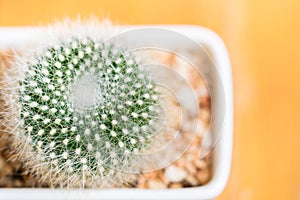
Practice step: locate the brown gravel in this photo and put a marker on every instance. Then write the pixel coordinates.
(189, 170)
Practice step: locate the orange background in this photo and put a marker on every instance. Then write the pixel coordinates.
(263, 38)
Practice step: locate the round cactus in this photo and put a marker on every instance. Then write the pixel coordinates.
(84, 108)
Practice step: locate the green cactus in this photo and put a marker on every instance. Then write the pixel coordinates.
(85, 109)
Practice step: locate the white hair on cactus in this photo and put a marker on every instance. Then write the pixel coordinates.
(77, 142)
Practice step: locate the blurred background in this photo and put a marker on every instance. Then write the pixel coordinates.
(263, 39)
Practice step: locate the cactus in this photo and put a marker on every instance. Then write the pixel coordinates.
(83, 108)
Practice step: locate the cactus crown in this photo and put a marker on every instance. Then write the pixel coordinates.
(86, 108)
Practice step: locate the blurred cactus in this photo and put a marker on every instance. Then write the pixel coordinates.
(84, 109)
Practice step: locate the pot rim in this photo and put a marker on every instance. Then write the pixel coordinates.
(10, 36)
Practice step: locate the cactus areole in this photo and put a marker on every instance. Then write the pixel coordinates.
(85, 108)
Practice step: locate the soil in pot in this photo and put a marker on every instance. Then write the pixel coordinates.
(188, 171)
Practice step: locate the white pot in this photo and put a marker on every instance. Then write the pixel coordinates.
(13, 37)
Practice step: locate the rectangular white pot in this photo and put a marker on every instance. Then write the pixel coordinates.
(14, 37)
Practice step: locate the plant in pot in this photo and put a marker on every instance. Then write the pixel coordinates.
(94, 106)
